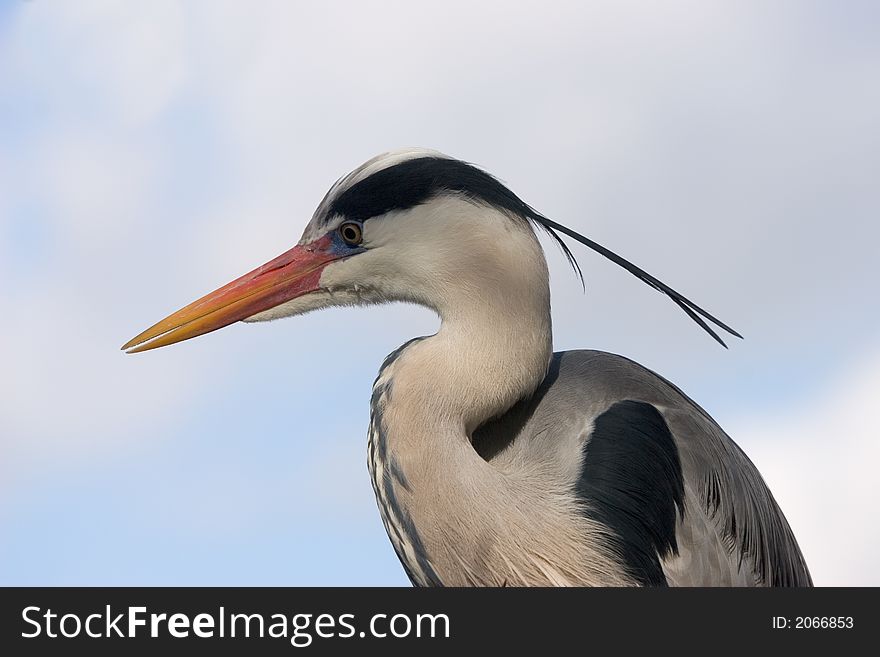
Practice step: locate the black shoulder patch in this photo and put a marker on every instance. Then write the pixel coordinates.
(416, 181)
(632, 483)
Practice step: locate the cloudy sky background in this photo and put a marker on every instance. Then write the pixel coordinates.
(150, 152)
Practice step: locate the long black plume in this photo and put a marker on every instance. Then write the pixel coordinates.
(411, 182)
(693, 310)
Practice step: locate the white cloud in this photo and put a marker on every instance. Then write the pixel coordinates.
(128, 57)
(67, 393)
(95, 188)
(820, 458)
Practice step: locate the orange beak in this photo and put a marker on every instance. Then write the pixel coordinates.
(290, 275)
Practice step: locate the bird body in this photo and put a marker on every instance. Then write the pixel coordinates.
(494, 461)
(633, 526)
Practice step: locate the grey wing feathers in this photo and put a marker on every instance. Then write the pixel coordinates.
(730, 530)
(743, 514)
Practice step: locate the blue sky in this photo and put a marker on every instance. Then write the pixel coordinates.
(150, 152)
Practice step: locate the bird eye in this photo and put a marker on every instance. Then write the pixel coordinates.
(351, 233)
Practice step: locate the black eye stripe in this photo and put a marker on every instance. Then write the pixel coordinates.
(413, 182)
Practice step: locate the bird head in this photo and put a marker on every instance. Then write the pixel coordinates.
(413, 226)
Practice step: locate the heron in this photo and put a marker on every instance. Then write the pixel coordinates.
(494, 460)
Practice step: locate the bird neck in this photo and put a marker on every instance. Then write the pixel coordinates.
(492, 293)
(492, 349)
(428, 399)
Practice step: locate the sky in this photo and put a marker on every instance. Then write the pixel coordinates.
(150, 152)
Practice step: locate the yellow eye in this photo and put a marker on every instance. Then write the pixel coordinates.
(351, 233)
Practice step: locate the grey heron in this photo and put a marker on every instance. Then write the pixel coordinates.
(495, 461)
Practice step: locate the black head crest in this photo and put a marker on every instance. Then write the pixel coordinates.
(415, 181)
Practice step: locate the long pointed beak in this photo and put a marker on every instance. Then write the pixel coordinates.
(290, 275)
